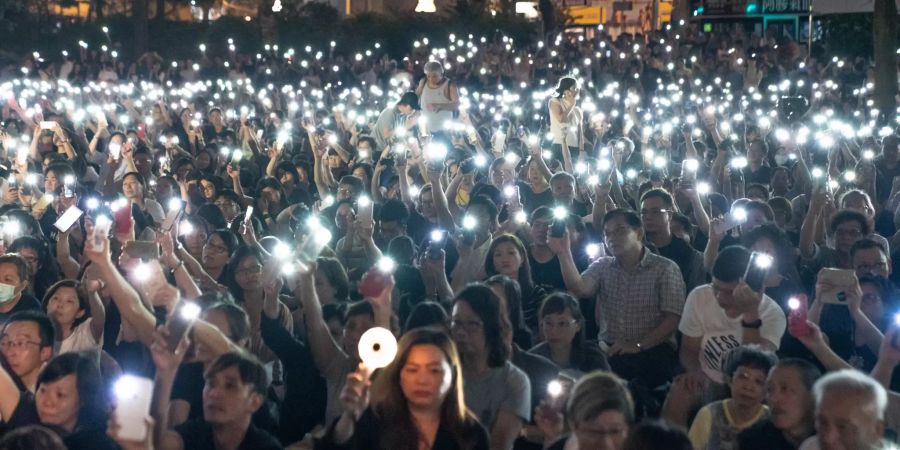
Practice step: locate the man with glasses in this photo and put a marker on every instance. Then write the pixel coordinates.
(657, 208)
(868, 257)
(639, 295)
(26, 342)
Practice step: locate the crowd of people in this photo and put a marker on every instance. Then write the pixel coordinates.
(671, 240)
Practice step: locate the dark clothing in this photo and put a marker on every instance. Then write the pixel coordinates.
(651, 367)
(305, 394)
(93, 439)
(24, 414)
(198, 435)
(690, 262)
(27, 302)
(373, 433)
(763, 435)
(532, 200)
(549, 274)
(762, 176)
(418, 227)
(539, 369)
(587, 359)
(188, 386)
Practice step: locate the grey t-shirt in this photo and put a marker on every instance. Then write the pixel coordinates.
(501, 389)
(386, 123)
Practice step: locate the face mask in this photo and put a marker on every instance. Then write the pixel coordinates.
(7, 292)
(781, 159)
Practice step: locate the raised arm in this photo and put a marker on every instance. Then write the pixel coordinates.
(808, 229)
(445, 218)
(575, 282)
(324, 349)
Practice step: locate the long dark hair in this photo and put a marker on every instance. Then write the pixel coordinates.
(93, 407)
(391, 406)
(565, 83)
(488, 308)
(526, 284)
(228, 275)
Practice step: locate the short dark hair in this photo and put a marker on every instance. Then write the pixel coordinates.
(656, 434)
(354, 182)
(757, 205)
(809, 373)
(660, 194)
(632, 218)
(752, 356)
(486, 203)
(20, 263)
(731, 263)
(237, 319)
(46, 329)
(80, 293)
(93, 406)
(867, 244)
(250, 369)
(394, 210)
(360, 308)
(848, 215)
(426, 314)
(760, 187)
(31, 437)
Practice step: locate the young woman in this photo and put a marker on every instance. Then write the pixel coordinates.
(79, 315)
(566, 120)
(507, 256)
(69, 398)
(417, 402)
(562, 327)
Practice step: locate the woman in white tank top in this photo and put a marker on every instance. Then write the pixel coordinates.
(565, 119)
(439, 98)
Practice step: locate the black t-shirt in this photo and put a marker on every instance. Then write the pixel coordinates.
(188, 386)
(761, 176)
(24, 414)
(27, 302)
(682, 253)
(92, 439)
(763, 435)
(418, 227)
(198, 435)
(532, 201)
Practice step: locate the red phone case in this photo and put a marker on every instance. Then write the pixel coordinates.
(123, 218)
(797, 317)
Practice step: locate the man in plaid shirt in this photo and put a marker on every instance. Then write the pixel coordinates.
(640, 296)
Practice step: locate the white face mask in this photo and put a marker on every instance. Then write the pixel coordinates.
(7, 292)
(781, 159)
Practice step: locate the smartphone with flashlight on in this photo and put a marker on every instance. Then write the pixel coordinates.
(734, 219)
(757, 270)
(560, 217)
(181, 321)
(689, 170)
(436, 244)
(48, 124)
(134, 397)
(798, 310)
(68, 218)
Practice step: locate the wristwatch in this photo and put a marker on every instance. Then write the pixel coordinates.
(755, 325)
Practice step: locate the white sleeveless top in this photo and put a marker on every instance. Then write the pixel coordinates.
(436, 120)
(556, 127)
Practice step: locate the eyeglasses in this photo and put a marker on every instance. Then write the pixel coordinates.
(561, 324)
(16, 345)
(469, 326)
(871, 267)
(871, 299)
(252, 270)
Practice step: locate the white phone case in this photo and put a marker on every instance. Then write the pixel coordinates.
(133, 408)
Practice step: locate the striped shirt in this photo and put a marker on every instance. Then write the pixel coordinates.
(630, 305)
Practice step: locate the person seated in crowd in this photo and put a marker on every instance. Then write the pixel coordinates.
(497, 392)
(599, 413)
(724, 315)
(564, 342)
(640, 297)
(717, 424)
(235, 387)
(26, 342)
(849, 413)
(417, 401)
(790, 400)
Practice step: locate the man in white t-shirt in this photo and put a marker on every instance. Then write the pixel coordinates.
(725, 314)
